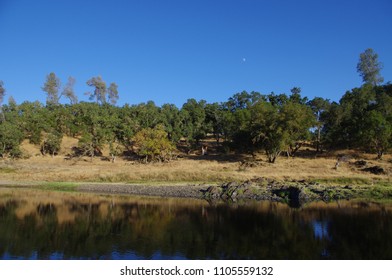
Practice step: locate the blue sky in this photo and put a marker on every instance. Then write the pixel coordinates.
(172, 50)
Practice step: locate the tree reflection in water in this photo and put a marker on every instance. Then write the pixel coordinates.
(42, 225)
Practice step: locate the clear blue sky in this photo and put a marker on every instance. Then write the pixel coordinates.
(169, 51)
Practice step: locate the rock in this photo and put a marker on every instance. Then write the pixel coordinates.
(213, 192)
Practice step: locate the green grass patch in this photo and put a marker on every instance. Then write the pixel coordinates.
(59, 186)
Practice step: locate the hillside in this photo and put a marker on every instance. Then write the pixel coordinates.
(193, 167)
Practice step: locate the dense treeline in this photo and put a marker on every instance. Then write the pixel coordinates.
(246, 122)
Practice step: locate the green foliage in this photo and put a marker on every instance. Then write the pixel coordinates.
(280, 125)
(369, 67)
(33, 119)
(377, 133)
(10, 139)
(362, 119)
(52, 87)
(319, 107)
(171, 120)
(52, 143)
(2, 92)
(215, 120)
(194, 120)
(296, 119)
(153, 145)
(98, 126)
(268, 129)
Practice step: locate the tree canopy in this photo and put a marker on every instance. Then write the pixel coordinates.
(369, 67)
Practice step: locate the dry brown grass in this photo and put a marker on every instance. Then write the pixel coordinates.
(211, 168)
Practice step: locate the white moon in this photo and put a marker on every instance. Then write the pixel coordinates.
(243, 59)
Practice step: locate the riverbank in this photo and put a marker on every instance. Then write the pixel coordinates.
(227, 177)
(295, 193)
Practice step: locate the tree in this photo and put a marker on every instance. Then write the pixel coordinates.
(296, 120)
(369, 68)
(99, 93)
(378, 133)
(2, 92)
(296, 96)
(12, 102)
(113, 93)
(152, 144)
(52, 87)
(97, 124)
(171, 120)
(242, 100)
(215, 119)
(69, 92)
(33, 119)
(193, 115)
(11, 137)
(319, 105)
(267, 130)
(51, 143)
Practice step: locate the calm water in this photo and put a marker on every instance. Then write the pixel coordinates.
(43, 225)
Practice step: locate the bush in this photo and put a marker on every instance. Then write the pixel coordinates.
(51, 143)
(153, 145)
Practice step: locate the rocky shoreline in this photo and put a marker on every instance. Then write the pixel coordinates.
(294, 193)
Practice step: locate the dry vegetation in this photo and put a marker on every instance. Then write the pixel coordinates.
(189, 168)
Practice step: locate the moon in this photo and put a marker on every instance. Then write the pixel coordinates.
(243, 59)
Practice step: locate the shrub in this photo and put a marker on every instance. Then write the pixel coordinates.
(153, 145)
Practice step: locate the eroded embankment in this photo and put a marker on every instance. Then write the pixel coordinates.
(295, 193)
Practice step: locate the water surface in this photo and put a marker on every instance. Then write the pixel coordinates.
(53, 225)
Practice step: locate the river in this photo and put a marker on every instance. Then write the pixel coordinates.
(38, 224)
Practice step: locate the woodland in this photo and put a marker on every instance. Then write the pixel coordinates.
(248, 122)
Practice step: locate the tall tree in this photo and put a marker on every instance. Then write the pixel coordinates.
(377, 134)
(69, 92)
(296, 96)
(99, 94)
(2, 92)
(194, 115)
(267, 130)
(171, 120)
(113, 93)
(369, 67)
(319, 105)
(52, 88)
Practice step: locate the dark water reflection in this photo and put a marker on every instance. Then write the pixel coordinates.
(42, 225)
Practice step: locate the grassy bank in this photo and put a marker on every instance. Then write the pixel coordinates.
(59, 173)
(194, 168)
